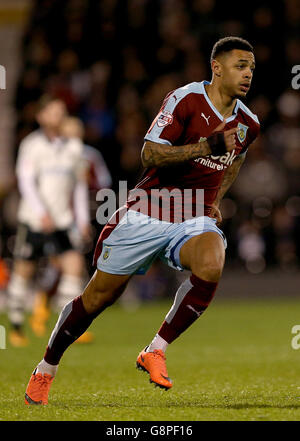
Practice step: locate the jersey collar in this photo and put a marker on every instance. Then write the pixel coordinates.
(215, 110)
(57, 142)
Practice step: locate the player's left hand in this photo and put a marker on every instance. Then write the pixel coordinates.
(215, 213)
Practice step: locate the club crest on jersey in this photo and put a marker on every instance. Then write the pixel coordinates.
(106, 253)
(242, 132)
(165, 118)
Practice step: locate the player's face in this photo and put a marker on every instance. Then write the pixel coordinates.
(71, 129)
(237, 69)
(52, 115)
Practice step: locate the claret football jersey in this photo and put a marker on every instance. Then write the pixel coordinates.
(186, 116)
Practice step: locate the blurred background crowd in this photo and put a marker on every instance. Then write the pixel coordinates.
(112, 62)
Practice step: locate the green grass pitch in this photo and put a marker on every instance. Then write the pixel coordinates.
(235, 363)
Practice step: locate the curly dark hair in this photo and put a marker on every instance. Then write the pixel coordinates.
(227, 44)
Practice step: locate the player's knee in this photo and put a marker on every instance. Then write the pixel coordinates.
(110, 296)
(24, 269)
(98, 299)
(72, 263)
(209, 268)
(102, 291)
(212, 273)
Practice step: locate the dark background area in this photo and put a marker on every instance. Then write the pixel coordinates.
(113, 62)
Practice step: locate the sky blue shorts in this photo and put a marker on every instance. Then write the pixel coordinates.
(137, 240)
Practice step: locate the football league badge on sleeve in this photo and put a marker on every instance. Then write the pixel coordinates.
(242, 132)
(165, 118)
(106, 252)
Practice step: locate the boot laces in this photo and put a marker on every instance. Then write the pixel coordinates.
(43, 382)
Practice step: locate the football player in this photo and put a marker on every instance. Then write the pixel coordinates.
(198, 140)
(53, 188)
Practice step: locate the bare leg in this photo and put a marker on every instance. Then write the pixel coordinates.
(71, 284)
(102, 291)
(204, 255)
(18, 289)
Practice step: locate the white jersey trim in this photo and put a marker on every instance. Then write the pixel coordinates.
(248, 111)
(181, 93)
(214, 109)
(239, 105)
(170, 106)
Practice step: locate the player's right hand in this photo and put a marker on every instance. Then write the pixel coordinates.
(220, 141)
(47, 223)
(229, 135)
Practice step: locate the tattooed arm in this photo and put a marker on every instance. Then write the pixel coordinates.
(229, 177)
(155, 154)
(162, 155)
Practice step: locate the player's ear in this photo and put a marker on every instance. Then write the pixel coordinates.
(38, 117)
(216, 67)
(39, 114)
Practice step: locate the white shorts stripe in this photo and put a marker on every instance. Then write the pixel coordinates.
(180, 295)
(62, 318)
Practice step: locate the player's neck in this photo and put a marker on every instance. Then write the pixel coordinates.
(50, 133)
(222, 102)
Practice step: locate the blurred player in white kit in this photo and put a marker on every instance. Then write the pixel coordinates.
(54, 196)
(98, 177)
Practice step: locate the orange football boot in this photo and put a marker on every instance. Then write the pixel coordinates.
(18, 339)
(155, 364)
(86, 337)
(40, 314)
(38, 388)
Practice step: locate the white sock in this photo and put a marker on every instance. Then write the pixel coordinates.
(45, 368)
(69, 287)
(18, 289)
(158, 343)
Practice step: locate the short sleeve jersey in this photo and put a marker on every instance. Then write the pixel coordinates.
(186, 116)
